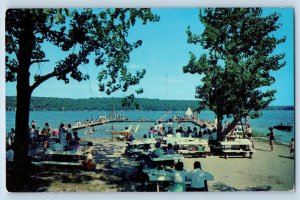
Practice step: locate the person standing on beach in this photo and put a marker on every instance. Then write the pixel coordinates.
(62, 135)
(292, 148)
(249, 134)
(69, 134)
(271, 137)
(160, 128)
(46, 135)
(151, 132)
(12, 135)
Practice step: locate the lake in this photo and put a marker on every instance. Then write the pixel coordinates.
(54, 118)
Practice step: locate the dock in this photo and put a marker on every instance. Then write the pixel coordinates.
(105, 121)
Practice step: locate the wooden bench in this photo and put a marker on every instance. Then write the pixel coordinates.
(237, 151)
(56, 163)
(189, 152)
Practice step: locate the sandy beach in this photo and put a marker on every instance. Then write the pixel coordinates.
(266, 171)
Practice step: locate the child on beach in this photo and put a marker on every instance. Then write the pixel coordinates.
(46, 136)
(89, 162)
(271, 137)
(292, 148)
(249, 134)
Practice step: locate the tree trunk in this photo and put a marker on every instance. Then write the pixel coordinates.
(21, 160)
(219, 127)
(231, 125)
(21, 170)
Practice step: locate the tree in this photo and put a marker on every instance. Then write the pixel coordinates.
(86, 34)
(237, 62)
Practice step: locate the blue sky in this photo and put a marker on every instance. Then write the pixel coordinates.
(163, 54)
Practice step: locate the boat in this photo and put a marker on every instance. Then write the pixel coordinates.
(283, 127)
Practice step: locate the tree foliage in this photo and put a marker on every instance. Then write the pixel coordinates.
(83, 35)
(239, 56)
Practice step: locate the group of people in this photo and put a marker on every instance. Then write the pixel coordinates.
(158, 151)
(64, 134)
(159, 130)
(66, 139)
(196, 177)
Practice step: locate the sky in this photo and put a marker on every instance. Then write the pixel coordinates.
(163, 54)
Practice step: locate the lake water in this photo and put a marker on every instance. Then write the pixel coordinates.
(54, 118)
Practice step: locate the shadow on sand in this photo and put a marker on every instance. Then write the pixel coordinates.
(289, 157)
(226, 188)
(261, 150)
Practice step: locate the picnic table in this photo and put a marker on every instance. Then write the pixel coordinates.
(190, 146)
(143, 141)
(157, 176)
(65, 153)
(137, 147)
(124, 134)
(170, 157)
(61, 158)
(166, 160)
(238, 146)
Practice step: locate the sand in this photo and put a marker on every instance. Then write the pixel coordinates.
(266, 171)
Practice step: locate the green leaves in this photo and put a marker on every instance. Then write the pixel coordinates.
(240, 57)
(101, 35)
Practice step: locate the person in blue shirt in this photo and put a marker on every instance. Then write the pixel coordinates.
(197, 178)
(158, 151)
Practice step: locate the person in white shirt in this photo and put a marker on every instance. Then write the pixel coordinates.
(198, 183)
(160, 128)
(57, 146)
(178, 134)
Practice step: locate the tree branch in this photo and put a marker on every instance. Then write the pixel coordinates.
(42, 79)
(63, 72)
(37, 61)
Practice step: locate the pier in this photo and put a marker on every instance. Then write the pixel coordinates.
(105, 121)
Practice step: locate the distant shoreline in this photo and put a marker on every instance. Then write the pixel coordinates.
(109, 104)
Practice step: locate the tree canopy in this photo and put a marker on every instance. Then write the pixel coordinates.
(83, 35)
(239, 56)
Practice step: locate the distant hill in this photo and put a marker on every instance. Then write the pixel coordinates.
(58, 104)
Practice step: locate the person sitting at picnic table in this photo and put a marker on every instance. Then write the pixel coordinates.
(170, 149)
(176, 147)
(89, 148)
(131, 138)
(158, 151)
(57, 146)
(179, 178)
(72, 146)
(188, 132)
(76, 139)
(178, 134)
(195, 132)
(89, 162)
(9, 156)
(197, 178)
